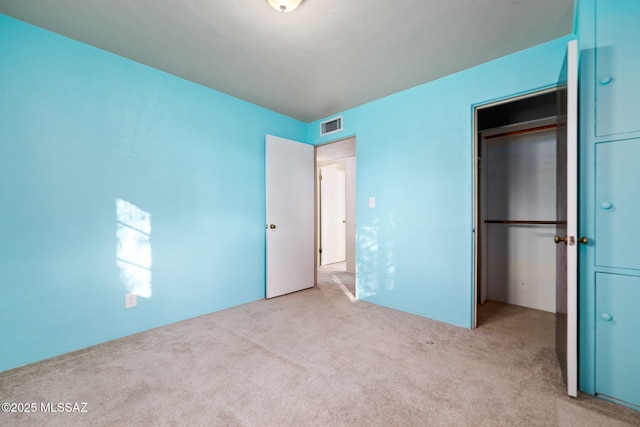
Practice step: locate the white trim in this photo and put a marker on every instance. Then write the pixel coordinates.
(572, 218)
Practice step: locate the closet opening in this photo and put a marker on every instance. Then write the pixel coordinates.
(515, 211)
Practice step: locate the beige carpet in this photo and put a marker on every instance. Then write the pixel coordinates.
(315, 358)
(336, 276)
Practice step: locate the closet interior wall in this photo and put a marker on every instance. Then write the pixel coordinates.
(517, 202)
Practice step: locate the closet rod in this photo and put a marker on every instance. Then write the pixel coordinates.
(509, 221)
(518, 132)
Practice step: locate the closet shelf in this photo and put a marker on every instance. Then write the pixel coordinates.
(524, 222)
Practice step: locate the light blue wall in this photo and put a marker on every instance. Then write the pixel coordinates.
(414, 154)
(79, 128)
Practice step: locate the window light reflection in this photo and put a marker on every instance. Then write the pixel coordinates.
(133, 251)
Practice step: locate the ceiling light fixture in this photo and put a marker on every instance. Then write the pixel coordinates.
(284, 5)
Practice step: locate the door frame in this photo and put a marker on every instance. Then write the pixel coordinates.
(477, 182)
(317, 201)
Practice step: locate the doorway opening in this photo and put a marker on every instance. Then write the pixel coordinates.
(515, 211)
(336, 215)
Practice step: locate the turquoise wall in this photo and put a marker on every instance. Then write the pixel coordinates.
(81, 128)
(415, 156)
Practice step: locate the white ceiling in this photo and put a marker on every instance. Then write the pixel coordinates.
(323, 58)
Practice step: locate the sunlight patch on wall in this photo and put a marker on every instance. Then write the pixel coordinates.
(376, 268)
(133, 251)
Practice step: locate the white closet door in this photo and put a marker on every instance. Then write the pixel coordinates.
(567, 215)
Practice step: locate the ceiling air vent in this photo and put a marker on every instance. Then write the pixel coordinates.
(331, 126)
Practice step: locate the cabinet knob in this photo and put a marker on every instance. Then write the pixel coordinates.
(606, 205)
(606, 317)
(605, 80)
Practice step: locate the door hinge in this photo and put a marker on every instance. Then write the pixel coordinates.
(320, 250)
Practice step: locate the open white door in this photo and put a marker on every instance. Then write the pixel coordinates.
(290, 170)
(332, 216)
(567, 217)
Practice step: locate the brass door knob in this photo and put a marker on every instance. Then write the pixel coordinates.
(272, 226)
(583, 240)
(557, 239)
